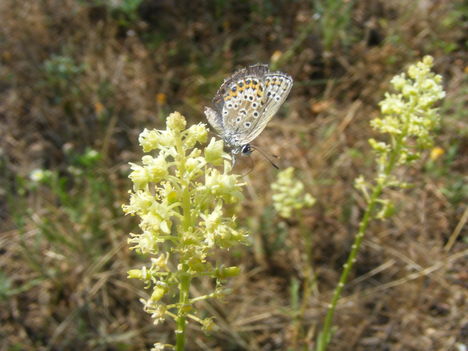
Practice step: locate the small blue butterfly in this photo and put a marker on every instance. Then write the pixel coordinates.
(245, 103)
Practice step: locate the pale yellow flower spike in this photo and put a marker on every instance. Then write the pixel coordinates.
(288, 194)
(180, 197)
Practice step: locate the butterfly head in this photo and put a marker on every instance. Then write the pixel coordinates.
(235, 145)
(244, 150)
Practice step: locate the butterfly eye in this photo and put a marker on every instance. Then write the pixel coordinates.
(246, 149)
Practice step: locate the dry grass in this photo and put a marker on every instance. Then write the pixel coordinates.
(64, 255)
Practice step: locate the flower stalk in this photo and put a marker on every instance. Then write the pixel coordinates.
(409, 119)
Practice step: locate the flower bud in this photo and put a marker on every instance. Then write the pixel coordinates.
(214, 152)
(158, 293)
(135, 274)
(176, 121)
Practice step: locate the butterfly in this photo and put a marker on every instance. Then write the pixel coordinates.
(245, 103)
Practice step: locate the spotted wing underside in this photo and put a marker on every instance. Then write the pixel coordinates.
(215, 120)
(245, 103)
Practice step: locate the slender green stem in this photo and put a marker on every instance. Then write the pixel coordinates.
(325, 335)
(184, 286)
(309, 284)
(184, 276)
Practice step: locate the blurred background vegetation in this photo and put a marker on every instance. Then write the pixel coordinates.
(79, 79)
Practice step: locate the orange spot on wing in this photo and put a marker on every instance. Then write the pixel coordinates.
(259, 91)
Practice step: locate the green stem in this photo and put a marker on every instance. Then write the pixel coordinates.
(309, 285)
(185, 185)
(325, 336)
(184, 286)
(184, 279)
(184, 276)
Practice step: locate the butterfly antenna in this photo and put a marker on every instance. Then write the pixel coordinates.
(264, 154)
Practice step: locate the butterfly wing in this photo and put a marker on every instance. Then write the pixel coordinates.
(215, 120)
(277, 88)
(246, 102)
(237, 99)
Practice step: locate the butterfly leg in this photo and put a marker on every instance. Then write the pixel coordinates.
(233, 160)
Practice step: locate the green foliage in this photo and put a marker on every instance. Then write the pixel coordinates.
(124, 11)
(448, 23)
(61, 69)
(7, 290)
(334, 18)
(60, 76)
(83, 235)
